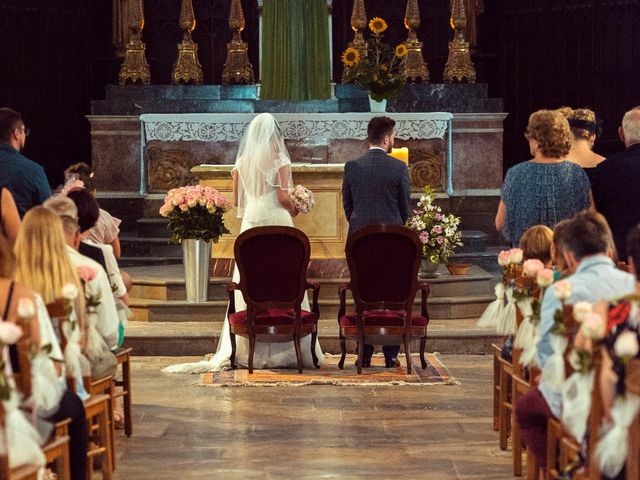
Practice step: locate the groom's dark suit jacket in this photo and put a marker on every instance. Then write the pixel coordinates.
(375, 190)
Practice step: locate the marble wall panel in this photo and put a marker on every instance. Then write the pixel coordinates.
(477, 161)
(115, 153)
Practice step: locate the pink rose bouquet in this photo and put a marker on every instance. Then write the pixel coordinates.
(195, 212)
(302, 199)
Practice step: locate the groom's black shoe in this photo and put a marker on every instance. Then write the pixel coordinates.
(391, 362)
(366, 357)
(391, 356)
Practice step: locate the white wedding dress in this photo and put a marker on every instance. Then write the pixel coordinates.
(257, 211)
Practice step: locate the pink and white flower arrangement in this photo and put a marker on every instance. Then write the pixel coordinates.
(626, 346)
(531, 267)
(302, 199)
(562, 290)
(438, 232)
(581, 310)
(544, 278)
(195, 212)
(594, 326)
(10, 333)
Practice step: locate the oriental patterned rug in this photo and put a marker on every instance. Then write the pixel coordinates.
(436, 373)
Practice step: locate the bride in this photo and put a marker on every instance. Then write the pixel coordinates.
(261, 183)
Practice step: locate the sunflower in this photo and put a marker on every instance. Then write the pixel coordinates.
(350, 57)
(377, 25)
(401, 50)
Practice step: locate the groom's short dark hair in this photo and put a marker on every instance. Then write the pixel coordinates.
(378, 128)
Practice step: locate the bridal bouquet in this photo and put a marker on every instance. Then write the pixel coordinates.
(302, 199)
(195, 212)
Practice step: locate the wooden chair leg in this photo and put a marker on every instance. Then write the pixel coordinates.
(252, 348)
(407, 353)
(423, 344)
(103, 426)
(343, 352)
(533, 471)
(360, 353)
(496, 391)
(296, 344)
(232, 358)
(516, 441)
(314, 339)
(126, 385)
(504, 415)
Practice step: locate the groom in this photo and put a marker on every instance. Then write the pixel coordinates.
(376, 190)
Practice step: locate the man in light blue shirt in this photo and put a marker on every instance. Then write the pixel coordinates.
(585, 244)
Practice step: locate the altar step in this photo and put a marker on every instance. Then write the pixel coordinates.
(158, 295)
(452, 336)
(151, 247)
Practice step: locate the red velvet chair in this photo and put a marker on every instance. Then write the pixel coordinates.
(273, 265)
(383, 261)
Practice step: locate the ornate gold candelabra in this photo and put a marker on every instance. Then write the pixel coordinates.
(414, 67)
(358, 24)
(134, 68)
(459, 66)
(237, 68)
(187, 69)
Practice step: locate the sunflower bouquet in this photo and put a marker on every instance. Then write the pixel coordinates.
(377, 70)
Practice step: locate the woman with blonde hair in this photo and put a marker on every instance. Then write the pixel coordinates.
(64, 404)
(42, 260)
(547, 188)
(585, 128)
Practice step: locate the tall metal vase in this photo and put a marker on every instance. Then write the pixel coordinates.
(196, 255)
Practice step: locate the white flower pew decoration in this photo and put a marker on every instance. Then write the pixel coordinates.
(576, 390)
(553, 372)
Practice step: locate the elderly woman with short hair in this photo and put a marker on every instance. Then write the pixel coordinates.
(547, 188)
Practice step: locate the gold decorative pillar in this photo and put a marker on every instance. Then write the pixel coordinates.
(120, 26)
(134, 68)
(187, 69)
(414, 67)
(459, 67)
(358, 24)
(237, 68)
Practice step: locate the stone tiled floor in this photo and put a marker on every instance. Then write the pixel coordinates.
(182, 431)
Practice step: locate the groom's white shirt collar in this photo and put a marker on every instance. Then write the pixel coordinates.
(378, 148)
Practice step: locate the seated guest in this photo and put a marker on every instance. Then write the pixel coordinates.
(620, 319)
(70, 405)
(536, 242)
(25, 179)
(88, 212)
(64, 207)
(584, 130)
(615, 189)
(106, 229)
(546, 189)
(98, 287)
(9, 216)
(584, 242)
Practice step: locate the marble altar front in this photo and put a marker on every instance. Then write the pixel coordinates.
(173, 144)
(326, 226)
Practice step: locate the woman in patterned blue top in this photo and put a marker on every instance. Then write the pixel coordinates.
(547, 188)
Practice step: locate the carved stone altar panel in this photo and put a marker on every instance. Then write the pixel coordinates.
(217, 127)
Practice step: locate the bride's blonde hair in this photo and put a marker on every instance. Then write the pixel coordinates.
(42, 261)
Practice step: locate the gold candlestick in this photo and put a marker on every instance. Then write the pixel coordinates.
(237, 68)
(459, 65)
(358, 24)
(134, 68)
(414, 67)
(187, 69)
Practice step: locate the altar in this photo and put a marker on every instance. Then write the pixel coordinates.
(179, 142)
